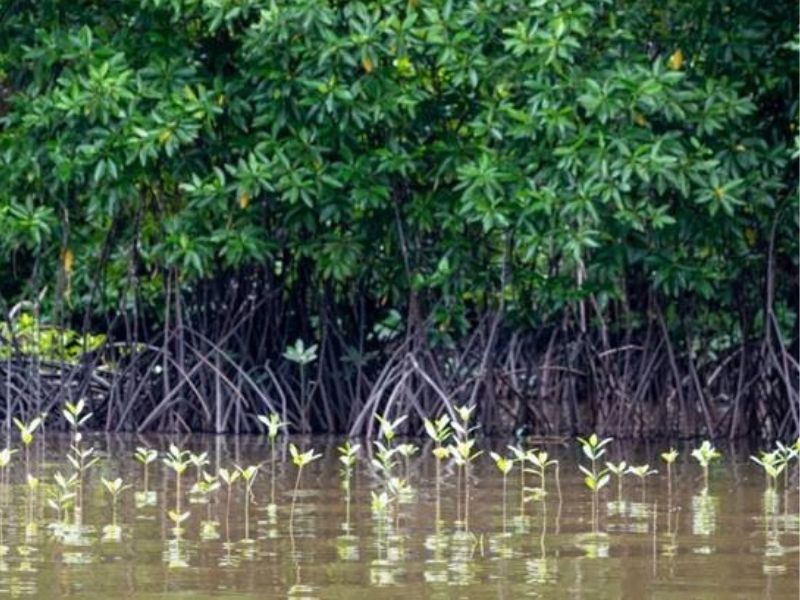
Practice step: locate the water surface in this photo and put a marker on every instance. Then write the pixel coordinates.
(735, 541)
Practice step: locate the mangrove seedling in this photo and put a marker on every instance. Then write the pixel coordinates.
(407, 450)
(642, 472)
(397, 489)
(26, 431)
(773, 465)
(73, 413)
(145, 456)
(464, 455)
(787, 454)
(704, 455)
(177, 460)
(229, 478)
(274, 424)
(81, 460)
(300, 460)
(249, 477)
(595, 481)
(209, 485)
(5, 460)
(618, 470)
(520, 456)
(593, 448)
(384, 461)
(62, 496)
(114, 488)
(540, 460)
(464, 414)
(388, 428)
(348, 452)
(439, 431)
(669, 459)
(504, 465)
(302, 356)
(379, 504)
(198, 461)
(32, 484)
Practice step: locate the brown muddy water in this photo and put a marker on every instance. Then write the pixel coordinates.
(735, 541)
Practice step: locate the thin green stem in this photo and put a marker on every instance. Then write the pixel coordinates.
(466, 495)
(272, 471)
(294, 497)
(505, 507)
(438, 493)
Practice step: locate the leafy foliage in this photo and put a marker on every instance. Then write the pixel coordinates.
(438, 157)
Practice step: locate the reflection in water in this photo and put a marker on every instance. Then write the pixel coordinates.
(351, 530)
(436, 565)
(176, 554)
(594, 545)
(773, 549)
(347, 548)
(627, 516)
(704, 519)
(541, 570)
(462, 567)
(704, 514)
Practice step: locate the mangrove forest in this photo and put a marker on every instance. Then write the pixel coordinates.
(356, 299)
(576, 216)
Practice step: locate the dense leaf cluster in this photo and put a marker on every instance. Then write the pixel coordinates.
(438, 156)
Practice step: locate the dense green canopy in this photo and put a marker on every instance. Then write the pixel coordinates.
(419, 163)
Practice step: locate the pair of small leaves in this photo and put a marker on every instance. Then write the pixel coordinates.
(82, 460)
(229, 477)
(540, 459)
(348, 453)
(114, 486)
(388, 427)
(670, 456)
(773, 463)
(145, 455)
(622, 468)
(199, 460)
(595, 481)
(178, 518)
(73, 413)
(273, 424)
(177, 459)
(641, 471)
(26, 430)
(248, 473)
(380, 502)
(705, 453)
(301, 459)
(64, 483)
(503, 464)
(5, 457)
(462, 451)
(594, 447)
(438, 430)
